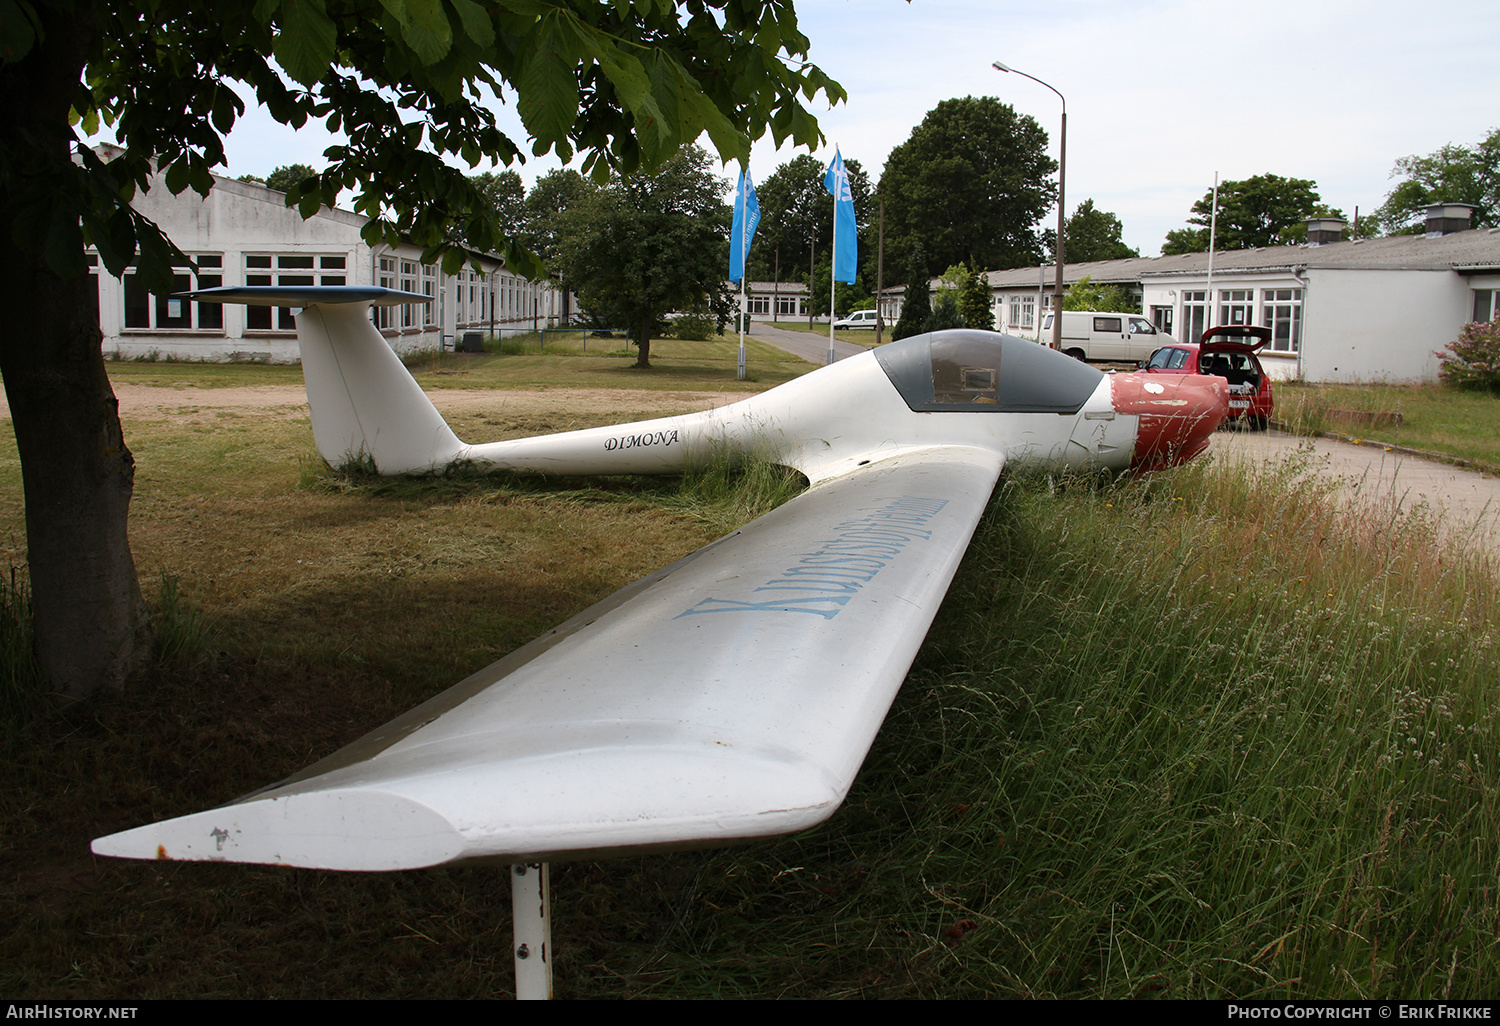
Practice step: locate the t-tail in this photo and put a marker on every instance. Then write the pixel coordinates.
(366, 407)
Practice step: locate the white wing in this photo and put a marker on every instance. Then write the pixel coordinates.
(730, 696)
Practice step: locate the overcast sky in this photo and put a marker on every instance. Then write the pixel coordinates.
(1161, 93)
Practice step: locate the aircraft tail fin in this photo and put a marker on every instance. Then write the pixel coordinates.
(365, 405)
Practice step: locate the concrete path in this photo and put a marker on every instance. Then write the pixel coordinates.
(1467, 502)
(811, 346)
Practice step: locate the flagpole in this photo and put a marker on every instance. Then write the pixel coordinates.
(833, 265)
(744, 273)
(832, 281)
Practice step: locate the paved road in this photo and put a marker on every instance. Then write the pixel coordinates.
(1467, 502)
(810, 346)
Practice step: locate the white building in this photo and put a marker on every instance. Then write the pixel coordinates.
(244, 234)
(1359, 310)
(776, 301)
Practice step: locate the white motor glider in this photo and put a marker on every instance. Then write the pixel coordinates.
(730, 696)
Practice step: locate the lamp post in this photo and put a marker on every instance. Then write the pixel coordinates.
(1062, 169)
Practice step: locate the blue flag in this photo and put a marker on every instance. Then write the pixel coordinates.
(845, 245)
(746, 218)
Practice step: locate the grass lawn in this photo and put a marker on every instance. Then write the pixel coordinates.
(1197, 735)
(1434, 418)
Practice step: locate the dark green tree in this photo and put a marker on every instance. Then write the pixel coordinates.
(975, 299)
(623, 84)
(796, 214)
(849, 297)
(1453, 174)
(1295, 235)
(552, 195)
(970, 184)
(1087, 294)
(916, 305)
(945, 313)
(1252, 213)
(645, 245)
(1091, 234)
(283, 178)
(506, 195)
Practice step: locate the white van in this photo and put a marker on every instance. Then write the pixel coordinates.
(857, 320)
(1116, 337)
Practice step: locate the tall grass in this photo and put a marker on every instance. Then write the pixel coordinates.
(725, 490)
(1203, 735)
(23, 683)
(1246, 742)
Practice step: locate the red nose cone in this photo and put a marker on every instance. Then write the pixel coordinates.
(1179, 413)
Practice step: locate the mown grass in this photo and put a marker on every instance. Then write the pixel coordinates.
(1434, 418)
(1201, 735)
(521, 364)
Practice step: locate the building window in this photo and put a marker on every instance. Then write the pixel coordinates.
(760, 304)
(1485, 307)
(147, 312)
(1161, 316)
(385, 276)
(1022, 311)
(1281, 311)
(429, 289)
(1236, 306)
(1194, 315)
(788, 305)
(286, 269)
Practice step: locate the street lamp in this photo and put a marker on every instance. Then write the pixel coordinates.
(1062, 168)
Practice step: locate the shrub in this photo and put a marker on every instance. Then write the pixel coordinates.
(694, 327)
(1473, 359)
(944, 313)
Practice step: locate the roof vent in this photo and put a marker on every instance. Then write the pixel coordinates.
(1322, 230)
(1447, 218)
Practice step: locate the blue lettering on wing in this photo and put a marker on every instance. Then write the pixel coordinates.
(822, 581)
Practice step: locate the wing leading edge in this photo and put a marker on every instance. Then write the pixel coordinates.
(731, 696)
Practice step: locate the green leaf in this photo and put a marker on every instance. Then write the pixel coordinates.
(305, 45)
(63, 249)
(628, 77)
(476, 22)
(548, 87)
(424, 27)
(178, 176)
(19, 29)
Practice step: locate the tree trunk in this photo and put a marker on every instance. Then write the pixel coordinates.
(91, 625)
(643, 343)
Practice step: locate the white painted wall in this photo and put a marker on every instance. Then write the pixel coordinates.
(240, 218)
(1380, 325)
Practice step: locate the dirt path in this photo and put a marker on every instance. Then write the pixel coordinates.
(151, 402)
(1467, 502)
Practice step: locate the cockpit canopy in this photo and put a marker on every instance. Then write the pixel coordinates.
(971, 371)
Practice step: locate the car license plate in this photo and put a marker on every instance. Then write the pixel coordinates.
(1239, 404)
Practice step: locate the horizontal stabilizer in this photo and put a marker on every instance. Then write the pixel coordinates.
(305, 295)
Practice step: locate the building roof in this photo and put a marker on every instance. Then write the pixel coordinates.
(785, 288)
(1473, 251)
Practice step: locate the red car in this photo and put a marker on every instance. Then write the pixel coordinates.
(1227, 352)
